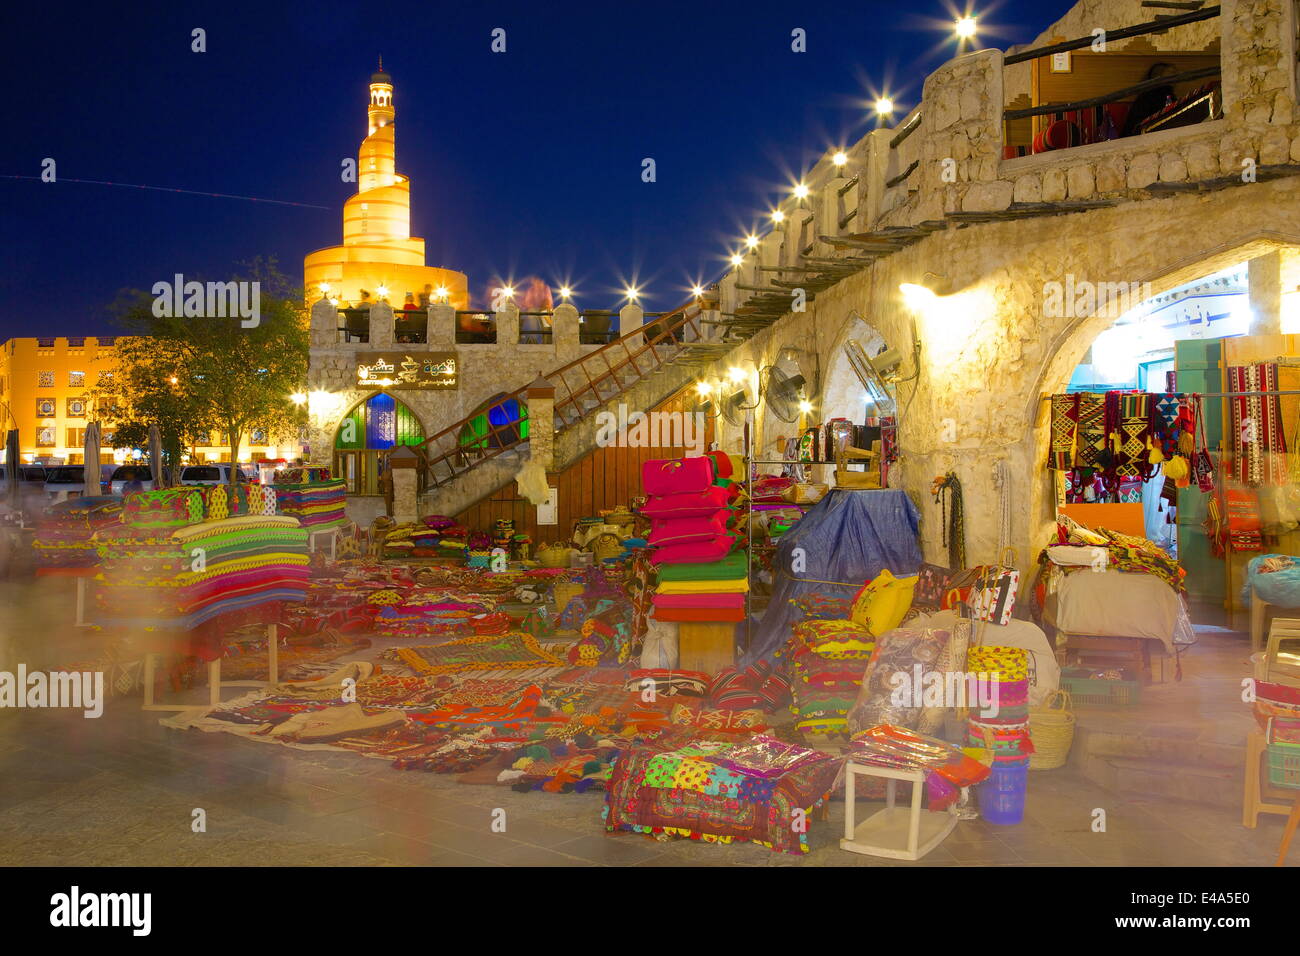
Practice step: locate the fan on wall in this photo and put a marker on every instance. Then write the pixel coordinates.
(786, 383)
(736, 403)
(876, 373)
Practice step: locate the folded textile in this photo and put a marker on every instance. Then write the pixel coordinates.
(737, 586)
(729, 568)
(734, 599)
(695, 614)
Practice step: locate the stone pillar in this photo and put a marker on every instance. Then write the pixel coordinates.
(540, 398)
(630, 318)
(1266, 295)
(507, 325)
(833, 206)
(961, 135)
(564, 331)
(441, 325)
(1259, 60)
(324, 324)
(381, 326)
(405, 499)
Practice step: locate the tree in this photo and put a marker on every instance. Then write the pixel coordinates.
(199, 372)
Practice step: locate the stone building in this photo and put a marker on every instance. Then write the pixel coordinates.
(944, 201)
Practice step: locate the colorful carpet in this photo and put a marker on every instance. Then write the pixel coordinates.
(490, 653)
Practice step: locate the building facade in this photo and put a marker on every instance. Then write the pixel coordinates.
(46, 386)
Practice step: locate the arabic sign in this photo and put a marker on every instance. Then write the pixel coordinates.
(409, 370)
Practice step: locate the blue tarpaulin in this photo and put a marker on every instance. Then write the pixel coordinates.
(847, 537)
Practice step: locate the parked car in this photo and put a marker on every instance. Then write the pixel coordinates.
(125, 474)
(66, 481)
(31, 491)
(210, 475)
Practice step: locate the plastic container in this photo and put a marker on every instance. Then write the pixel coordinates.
(1284, 765)
(1087, 691)
(1002, 795)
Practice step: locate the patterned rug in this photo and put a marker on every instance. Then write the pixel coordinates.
(299, 657)
(491, 653)
(1065, 431)
(1258, 443)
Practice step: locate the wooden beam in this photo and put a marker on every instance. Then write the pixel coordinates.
(890, 184)
(1141, 29)
(878, 245)
(906, 130)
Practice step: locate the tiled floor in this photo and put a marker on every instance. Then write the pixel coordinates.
(122, 790)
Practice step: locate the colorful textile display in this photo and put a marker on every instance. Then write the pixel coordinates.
(165, 508)
(316, 504)
(64, 532)
(680, 789)
(506, 652)
(184, 576)
(1258, 443)
(700, 578)
(915, 653)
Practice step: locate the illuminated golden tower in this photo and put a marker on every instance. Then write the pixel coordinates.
(378, 249)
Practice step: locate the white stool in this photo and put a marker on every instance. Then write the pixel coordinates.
(898, 833)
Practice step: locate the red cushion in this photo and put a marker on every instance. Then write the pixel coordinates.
(693, 504)
(696, 552)
(686, 530)
(676, 475)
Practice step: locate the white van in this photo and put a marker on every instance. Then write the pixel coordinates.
(66, 481)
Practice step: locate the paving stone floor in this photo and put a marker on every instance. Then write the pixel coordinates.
(121, 790)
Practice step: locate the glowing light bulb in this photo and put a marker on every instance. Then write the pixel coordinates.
(884, 106)
(917, 297)
(325, 288)
(508, 291)
(299, 398)
(703, 389)
(737, 259)
(778, 215)
(698, 291)
(736, 374)
(566, 292)
(382, 290)
(801, 191)
(442, 292)
(805, 406)
(631, 293)
(965, 27)
(840, 159)
(751, 242)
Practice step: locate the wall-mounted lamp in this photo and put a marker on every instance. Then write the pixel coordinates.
(920, 296)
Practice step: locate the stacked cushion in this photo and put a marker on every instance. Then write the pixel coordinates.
(316, 504)
(826, 660)
(64, 533)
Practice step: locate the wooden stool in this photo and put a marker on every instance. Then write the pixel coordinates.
(1256, 790)
(1131, 652)
(1259, 611)
(1291, 822)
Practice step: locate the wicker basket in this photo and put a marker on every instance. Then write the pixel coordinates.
(606, 546)
(554, 555)
(1051, 727)
(857, 479)
(565, 591)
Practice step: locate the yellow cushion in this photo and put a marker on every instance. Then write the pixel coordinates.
(883, 602)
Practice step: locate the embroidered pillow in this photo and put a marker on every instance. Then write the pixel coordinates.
(883, 602)
(676, 475)
(165, 508)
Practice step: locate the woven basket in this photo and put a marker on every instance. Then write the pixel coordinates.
(607, 546)
(565, 591)
(1051, 727)
(554, 555)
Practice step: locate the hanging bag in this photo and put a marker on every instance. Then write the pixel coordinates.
(1203, 465)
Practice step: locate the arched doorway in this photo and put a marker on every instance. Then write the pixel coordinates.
(859, 400)
(366, 434)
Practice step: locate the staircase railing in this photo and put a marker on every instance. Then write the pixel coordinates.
(581, 386)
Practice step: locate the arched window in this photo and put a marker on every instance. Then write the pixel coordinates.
(373, 428)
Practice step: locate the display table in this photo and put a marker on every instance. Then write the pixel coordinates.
(83, 576)
(215, 683)
(899, 833)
